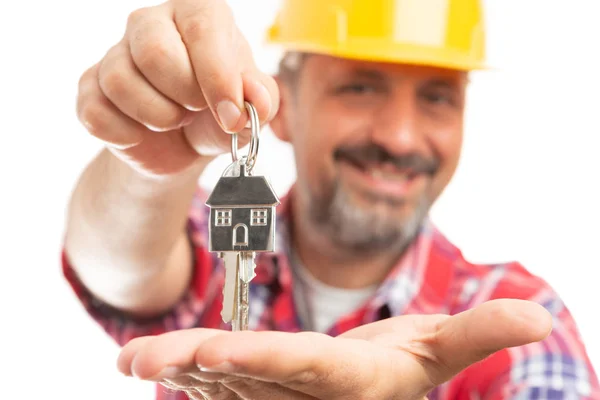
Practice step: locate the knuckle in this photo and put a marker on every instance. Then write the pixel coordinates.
(93, 116)
(85, 78)
(202, 20)
(195, 26)
(151, 55)
(136, 16)
(192, 30)
(112, 82)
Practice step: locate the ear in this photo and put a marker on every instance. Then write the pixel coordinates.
(279, 124)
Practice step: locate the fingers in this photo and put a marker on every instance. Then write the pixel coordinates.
(445, 345)
(128, 352)
(124, 85)
(207, 137)
(208, 30)
(176, 57)
(401, 329)
(161, 57)
(310, 363)
(164, 356)
(263, 93)
(102, 118)
(223, 63)
(424, 350)
(473, 335)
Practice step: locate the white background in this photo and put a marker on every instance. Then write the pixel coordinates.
(526, 188)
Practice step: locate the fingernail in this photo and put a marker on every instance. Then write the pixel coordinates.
(224, 368)
(192, 108)
(156, 128)
(229, 114)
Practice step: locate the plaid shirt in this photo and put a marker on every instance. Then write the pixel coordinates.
(432, 277)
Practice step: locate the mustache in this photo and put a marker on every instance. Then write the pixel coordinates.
(375, 154)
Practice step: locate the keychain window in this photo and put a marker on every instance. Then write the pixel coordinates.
(259, 217)
(223, 218)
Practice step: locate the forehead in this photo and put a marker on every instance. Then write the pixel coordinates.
(324, 65)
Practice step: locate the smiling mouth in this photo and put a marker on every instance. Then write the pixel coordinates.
(382, 180)
(382, 170)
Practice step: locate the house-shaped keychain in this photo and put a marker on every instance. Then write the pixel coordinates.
(242, 213)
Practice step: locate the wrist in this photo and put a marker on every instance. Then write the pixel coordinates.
(143, 183)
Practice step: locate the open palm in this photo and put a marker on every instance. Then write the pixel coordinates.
(397, 358)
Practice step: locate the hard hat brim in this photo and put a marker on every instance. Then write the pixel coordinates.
(401, 54)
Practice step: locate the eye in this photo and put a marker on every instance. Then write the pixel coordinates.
(356, 88)
(438, 98)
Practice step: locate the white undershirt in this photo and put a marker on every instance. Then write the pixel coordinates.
(319, 305)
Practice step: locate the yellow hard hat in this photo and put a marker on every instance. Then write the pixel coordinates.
(443, 33)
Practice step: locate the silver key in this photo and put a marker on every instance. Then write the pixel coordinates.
(242, 222)
(239, 271)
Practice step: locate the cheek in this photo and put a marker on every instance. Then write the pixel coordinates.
(322, 131)
(313, 147)
(447, 145)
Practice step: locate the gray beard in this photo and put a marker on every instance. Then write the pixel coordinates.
(362, 230)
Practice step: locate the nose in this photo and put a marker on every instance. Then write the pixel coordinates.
(397, 128)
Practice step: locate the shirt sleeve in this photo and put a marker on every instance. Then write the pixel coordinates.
(558, 367)
(188, 312)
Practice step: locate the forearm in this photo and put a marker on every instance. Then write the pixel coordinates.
(125, 234)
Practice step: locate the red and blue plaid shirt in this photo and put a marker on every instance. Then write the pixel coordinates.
(432, 277)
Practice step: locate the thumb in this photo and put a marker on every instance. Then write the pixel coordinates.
(473, 335)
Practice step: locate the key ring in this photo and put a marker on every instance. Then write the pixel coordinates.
(250, 159)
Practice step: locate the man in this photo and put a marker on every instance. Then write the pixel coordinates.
(364, 298)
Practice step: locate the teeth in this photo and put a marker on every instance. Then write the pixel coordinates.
(381, 174)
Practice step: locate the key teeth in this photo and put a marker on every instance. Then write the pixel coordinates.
(246, 265)
(252, 271)
(223, 311)
(229, 287)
